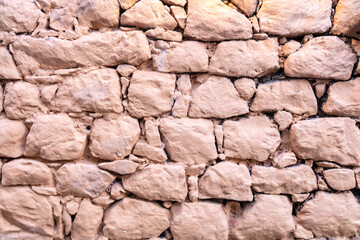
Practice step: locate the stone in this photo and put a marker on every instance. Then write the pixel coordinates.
(48, 93)
(72, 207)
(110, 48)
(197, 170)
(82, 180)
(245, 87)
(66, 218)
(219, 136)
(135, 219)
(148, 14)
(284, 159)
(329, 139)
(47, 191)
(198, 220)
(179, 14)
(114, 139)
(150, 93)
(283, 119)
(340, 179)
(171, 60)
(22, 100)
(152, 132)
(216, 98)
(125, 70)
(193, 185)
(215, 21)
(156, 154)
(250, 138)
(299, 197)
(175, 2)
(183, 84)
(181, 106)
(121, 167)
(294, 96)
(290, 47)
(126, 4)
(98, 14)
(292, 180)
(278, 18)
(226, 180)
(8, 68)
(55, 137)
(258, 58)
(158, 182)
(103, 200)
(87, 221)
(343, 99)
(302, 233)
(117, 191)
(269, 218)
(18, 16)
(199, 146)
(331, 215)
(12, 138)
(161, 33)
(325, 57)
(28, 210)
(246, 6)
(26, 172)
(96, 91)
(346, 19)
(62, 14)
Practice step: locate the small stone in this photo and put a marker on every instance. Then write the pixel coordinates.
(125, 82)
(126, 4)
(327, 164)
(346, 19)
(103, 200)
(283, 119)
(12, 138)
(340, 179)
(150, 152)
(121, 167)
(219, 135)
(152, 132)
(290, 47)
(226, 180)
(135, 219)
(183, 84)
(193, 185)
(117, 191)
(148, 14)
(175, 2)
(62, 15)
(48, 93)
(255, 24)
(179, 14)
(246, 87)
(250, 138)
(181, 106)
(199, 220)
(320, 89)
(8, 69)
(161, 33)
(259, 57)
(72, 207)
(195, 170)
(150, 93)
(322, 185)
(248, 7)
(284, 159)
(114, 139)
(125, 70)
(47, 191)
(66, 218)
(299, 197)
(302, 233)
(260, 36)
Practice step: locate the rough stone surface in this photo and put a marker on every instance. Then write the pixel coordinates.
(294, 96)
(331, 139)
(215, 21)
(202, 220)
(290, 47)
(199, 146)
(246, 87)
(346, 19)
(250, 138)
(126, 4)
(121, 167)
(114, 139)
(179, 14)
(292, 180)
(325, 57)
(8, 68)
(258, 58)
(279, 17)
(284, 159)
(283, 119)
(158, 182)
(226, 180)
(331, 215)
(152, 153)
(340, 179)
(246, 6)
(135, 219)
(12, 138)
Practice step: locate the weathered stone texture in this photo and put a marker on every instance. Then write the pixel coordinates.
(346, 19)
(12, 138)
(8, 68)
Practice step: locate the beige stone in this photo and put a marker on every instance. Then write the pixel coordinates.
(196, 169)
(250, 138)
(292, 180)
(300, 197)
(216, 98)
(340, 179)
(302, 233)
(121, 167)
(152, 132)
(117, 191)
(171, 60)
(103, 200)
(135, 219)
(150, 93)
(325, 57)
(72, 207)
(290, 47)
(114, 139)
(283, 119)
(258, 58)
(96, 91)
(284, 159)
(215, 21)
(12, 138)
(219, 136)
(193, 185)
(55, 137)
(356, 45)
(246, 6)
(62, 14)
(269, 218)
(8, 68)
(22, 100)
(346, 19)
(28, 210)
(156, 154)
(126, 4)
(179, 14)
(200, 220)
(183, 84)
(331, 139)
(181, 106)
(279, 18)
(18, 15)
(87, 221)
(246, 87)
(125, 70)
(189, 140)
(148, 14)
(331, 215)
(175, 2)
(158, 182)
(226, 180)
(26, 172)
(96, 49)
(66, 218)
(82, 179)
(343, 99)
(294, 96)
(161, 33)
(48, 93)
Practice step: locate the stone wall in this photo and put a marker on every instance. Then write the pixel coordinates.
(175, 119)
